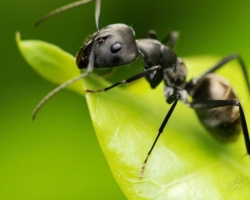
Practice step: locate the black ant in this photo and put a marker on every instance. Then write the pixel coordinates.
(214, 101)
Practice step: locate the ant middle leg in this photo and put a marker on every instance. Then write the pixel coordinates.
(168, 40)
(151, 34)
(171, 39)
(174, 98)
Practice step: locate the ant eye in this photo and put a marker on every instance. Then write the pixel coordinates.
(116, 47)
(100, 40)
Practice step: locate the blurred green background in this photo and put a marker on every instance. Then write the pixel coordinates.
(57, 156)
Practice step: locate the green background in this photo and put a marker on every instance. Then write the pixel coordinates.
(57, 156)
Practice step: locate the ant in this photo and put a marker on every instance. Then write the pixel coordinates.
(213, 98)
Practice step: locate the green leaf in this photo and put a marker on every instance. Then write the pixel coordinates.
(54, 60)
(187, 163)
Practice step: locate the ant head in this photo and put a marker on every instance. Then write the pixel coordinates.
(113, 46)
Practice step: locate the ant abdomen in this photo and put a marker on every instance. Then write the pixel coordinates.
(222, 122)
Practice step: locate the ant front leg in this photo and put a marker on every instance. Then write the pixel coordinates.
(174, 98)
(129, 80)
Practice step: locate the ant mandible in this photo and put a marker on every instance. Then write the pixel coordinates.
(213, 99)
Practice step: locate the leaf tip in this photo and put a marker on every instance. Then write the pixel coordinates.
(18, 36)
(18, 39)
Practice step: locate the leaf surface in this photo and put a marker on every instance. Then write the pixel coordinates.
(187, 163)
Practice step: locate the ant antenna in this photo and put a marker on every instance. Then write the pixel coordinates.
(67, 7)
(97, 13)
(90, 68)
(53, 92)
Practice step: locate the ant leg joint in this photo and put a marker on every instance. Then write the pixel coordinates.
(237, 103)
(173, 97)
